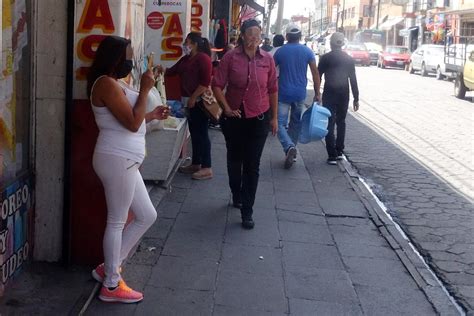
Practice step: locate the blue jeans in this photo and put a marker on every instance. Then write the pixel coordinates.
(289, 138)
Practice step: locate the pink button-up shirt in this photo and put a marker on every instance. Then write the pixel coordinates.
(249, 81)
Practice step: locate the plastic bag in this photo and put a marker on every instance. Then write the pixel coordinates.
(154, 100)
(176, 108)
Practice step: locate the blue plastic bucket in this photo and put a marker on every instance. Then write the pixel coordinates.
(314, 123)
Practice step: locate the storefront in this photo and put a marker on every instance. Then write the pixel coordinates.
(460, 22)
(16, 164)
(154, 27)
(52, 205)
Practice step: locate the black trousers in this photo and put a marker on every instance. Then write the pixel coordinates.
(198, 128)
(245, 140)
(335, 144)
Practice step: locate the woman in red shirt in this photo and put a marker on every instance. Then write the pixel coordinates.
(250, 109)
(195, 70)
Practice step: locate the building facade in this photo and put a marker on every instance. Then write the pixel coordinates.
(46, 127)
(32, 132)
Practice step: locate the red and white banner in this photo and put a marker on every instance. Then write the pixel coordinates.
(167, 23)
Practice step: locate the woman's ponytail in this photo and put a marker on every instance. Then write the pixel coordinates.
(202, 43)
(204, 46)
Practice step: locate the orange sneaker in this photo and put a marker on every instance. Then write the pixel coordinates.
(122, 294)
(99, 273)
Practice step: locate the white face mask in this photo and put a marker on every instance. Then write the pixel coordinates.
(186, 49)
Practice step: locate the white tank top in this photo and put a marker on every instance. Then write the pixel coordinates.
(114, 138)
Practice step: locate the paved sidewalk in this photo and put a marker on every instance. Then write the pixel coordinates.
(314, 249)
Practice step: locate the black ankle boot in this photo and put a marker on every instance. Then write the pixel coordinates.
(236, 201)
(248, 223)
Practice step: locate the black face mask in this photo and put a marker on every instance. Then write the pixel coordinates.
(124, 69)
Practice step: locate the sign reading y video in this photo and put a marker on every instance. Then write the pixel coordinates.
(167, 23)
(15, 210)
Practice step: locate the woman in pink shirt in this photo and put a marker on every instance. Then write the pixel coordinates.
(250, 110)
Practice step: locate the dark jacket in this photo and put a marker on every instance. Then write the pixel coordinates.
(338, 69)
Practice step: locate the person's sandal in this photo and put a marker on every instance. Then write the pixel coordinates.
(190, 169)
(203, 174)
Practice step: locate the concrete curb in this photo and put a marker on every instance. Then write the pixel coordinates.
(431, 286)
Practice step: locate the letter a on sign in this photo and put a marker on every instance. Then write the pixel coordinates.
(96, 14)
(173, 26)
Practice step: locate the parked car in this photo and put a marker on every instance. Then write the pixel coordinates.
(358, 52)
(374, 52)
(426, 59)
(394, 56)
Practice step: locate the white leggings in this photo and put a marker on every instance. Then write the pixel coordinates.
(124, 189)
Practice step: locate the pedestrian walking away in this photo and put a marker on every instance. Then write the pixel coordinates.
(120, 115)
(250, 110)
(293, 60)
(266, 46)
(338, 70)
(195, 70)
(278, 41)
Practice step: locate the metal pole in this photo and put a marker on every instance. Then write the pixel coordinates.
(309, 23)
(279, 20)
(371, 9)
(266, 18)
(378, 14)
(343, 13)
(321, 25)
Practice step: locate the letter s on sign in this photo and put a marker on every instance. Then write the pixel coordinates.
(172, 45)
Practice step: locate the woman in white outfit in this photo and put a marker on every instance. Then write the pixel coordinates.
(120, 114)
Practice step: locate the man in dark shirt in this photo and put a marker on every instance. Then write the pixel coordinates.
(338, 69)
(266, 45)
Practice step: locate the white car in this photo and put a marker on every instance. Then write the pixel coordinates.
(440, 68)
(426, 59)
(374, 52)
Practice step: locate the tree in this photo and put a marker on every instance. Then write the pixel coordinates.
(267, 16)
(279, 20)
(273, 29)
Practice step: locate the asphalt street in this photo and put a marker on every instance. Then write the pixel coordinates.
(412, 140)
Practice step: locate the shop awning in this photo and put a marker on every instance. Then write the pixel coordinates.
(460, 12)
(374, 26)
(391, 22)
(406, 32)
(253, 5)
